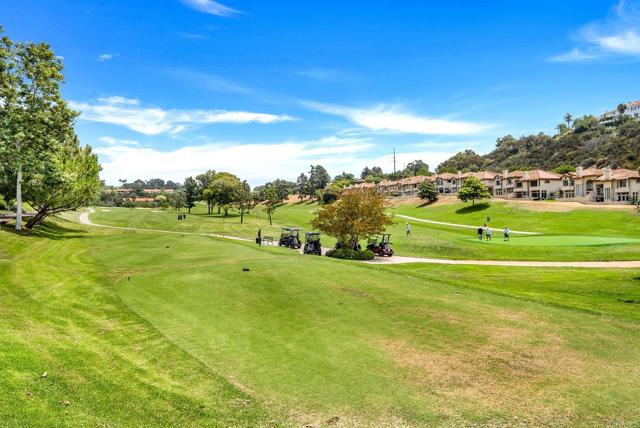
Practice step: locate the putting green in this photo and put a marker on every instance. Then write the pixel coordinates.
(559, 240)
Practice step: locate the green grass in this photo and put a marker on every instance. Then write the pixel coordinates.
(578, 235)
(147, 329)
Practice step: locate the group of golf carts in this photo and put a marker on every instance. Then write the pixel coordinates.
(290, 238)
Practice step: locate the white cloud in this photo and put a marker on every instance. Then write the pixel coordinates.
(574, 55)
(394, 119)
(119, 142)
(211, 7)
(107, 57)
(617, 34)
(257, 163)
(153, 120)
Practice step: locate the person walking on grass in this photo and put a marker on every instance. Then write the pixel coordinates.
(408, 230)
(487, 232)
(506, 233)
(259, 238)
(480, 232)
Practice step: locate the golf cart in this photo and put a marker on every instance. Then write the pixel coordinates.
(382, 248)
(290, 238)
(312, 243)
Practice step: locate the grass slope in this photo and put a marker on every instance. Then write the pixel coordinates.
(105, 366)
(579, 235)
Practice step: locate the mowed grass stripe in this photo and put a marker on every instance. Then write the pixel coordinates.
(325, 337)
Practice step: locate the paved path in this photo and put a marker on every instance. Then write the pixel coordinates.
(466, 226)
(84, 219)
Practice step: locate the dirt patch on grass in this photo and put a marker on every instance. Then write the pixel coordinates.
(556, 206)
(506, 372)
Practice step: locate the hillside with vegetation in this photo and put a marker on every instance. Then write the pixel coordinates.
(581, 142)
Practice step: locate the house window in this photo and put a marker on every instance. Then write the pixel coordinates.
(622, 183)
(623, 197)
(519, 185)
(535, 194)
(535, 183)
(509, 181)
(607, 193)
(547, 181)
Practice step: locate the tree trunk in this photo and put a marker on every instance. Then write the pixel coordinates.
(209, 208)
(241, 216)
(37, 219)
(218, 209)
(19, 198)
(270, 223)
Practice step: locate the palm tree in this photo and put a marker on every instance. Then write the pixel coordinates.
(568, 118)
(622, 108)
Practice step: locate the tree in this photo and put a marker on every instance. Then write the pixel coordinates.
(302, 186)
(357, 214)
(428, 191)
(71, 179)
(190, 192)
(318, 179)
(155, 183)
(346, 176)
(473, 189)
(415, 168)
(283, 188)
(243, 199)
(34, 118)
(204, 180)
(621, 109)
(568, 118)
(563, 169)
(223, 189)
(177, 200)
(270, 202)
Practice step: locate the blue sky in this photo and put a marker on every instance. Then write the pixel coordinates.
(265, 88)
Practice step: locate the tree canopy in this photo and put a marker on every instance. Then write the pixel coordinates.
(357, 214)
(473, 189)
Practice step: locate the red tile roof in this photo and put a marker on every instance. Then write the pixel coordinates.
(539, 174)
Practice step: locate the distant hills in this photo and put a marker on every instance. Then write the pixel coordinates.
(584, 142)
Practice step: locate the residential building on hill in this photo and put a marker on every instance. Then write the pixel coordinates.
(586, 185)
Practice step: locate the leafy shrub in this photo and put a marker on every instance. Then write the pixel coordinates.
(348, 254)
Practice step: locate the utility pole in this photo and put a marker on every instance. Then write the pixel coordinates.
(394, 160)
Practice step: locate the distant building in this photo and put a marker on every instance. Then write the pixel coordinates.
(633, 110)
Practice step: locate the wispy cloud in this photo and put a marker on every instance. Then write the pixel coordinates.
(616, 35)
(119, 142)
(325, 75)
(107, 57)
(211, 82)
(394, 119)
(192, 36)
(211, 7)
(153, 120)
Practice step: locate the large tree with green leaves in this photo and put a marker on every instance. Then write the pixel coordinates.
(473, 189)
(428, 191)
(318, 179)
(204, 180)
(270, 202)
(34, 118)
(357, 214)
(223, 189)
(70, 179)
(190, 192)
(243, 199)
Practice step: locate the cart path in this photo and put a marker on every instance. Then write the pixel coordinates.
(466, 226)
(84, 219)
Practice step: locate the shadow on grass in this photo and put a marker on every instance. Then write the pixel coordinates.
(49, 229)
(473, 208)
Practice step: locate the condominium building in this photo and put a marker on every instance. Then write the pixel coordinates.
(587, 185)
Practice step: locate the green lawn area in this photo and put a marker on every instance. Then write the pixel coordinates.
(149, 329)
(579, 235)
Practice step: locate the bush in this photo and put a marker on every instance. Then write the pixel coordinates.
(348, 254)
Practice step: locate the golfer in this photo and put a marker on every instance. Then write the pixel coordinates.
(259, 238)
(408, 229)
(506, 233)
(487, 232)
(480, 232)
